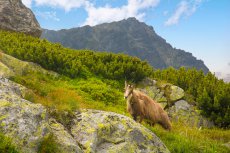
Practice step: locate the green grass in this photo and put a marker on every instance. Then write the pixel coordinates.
(48, 145)
(186, 139)
(6, 145)
(95, 93)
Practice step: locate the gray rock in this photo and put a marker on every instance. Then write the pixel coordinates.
(27, 123)
(99, 131)
(20, 119)
(182, 105)
(182, 111)
(15, 16)
(64, 138)
(176, 93)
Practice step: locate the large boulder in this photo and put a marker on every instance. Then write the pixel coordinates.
(102, 132)
(15, 16)
(27, 123)
(184, 112)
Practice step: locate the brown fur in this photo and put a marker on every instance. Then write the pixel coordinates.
(139, 104)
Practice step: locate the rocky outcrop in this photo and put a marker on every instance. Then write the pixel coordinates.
(182, 111)
(15, 16)
(91, 131)
(27, 123)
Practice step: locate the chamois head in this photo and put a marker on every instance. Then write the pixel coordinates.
(128, 90)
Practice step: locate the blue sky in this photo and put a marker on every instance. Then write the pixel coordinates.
(201, 27)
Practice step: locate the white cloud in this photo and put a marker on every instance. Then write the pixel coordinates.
(101, 14)
(48, 15)
(134, 8)
(65, 4)
(184, 9)
(27, 3)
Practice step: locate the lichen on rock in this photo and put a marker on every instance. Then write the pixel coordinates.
(184, 112)
(99, 131)
(28, 123)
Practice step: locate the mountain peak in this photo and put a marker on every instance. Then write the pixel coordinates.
(131, 19)
(128, 36)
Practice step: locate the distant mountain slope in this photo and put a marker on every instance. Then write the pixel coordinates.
(127, 36)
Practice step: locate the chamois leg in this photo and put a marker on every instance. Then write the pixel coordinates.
(151, 124)
(134, 117)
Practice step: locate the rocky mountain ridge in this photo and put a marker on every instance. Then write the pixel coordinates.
(128, 36)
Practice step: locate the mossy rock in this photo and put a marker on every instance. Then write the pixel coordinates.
(27, 124)
(182, 111)
(176, 93)
(99, 131)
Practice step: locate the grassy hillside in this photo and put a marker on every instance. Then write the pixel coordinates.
(210, 94)
(95, 80)
(95, 93)
(81, 63)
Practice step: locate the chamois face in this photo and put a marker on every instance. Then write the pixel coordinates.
(128, 90)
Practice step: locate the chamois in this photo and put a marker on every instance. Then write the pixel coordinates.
(139, 104)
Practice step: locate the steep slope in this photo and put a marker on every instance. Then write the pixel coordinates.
(127, 36)
(32, 125)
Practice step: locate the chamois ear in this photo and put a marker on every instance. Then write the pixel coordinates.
(132, 86)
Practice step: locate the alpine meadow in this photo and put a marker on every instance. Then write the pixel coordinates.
(112, 84)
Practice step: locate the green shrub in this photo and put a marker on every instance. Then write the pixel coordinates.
(73, 63)
(99, 91)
